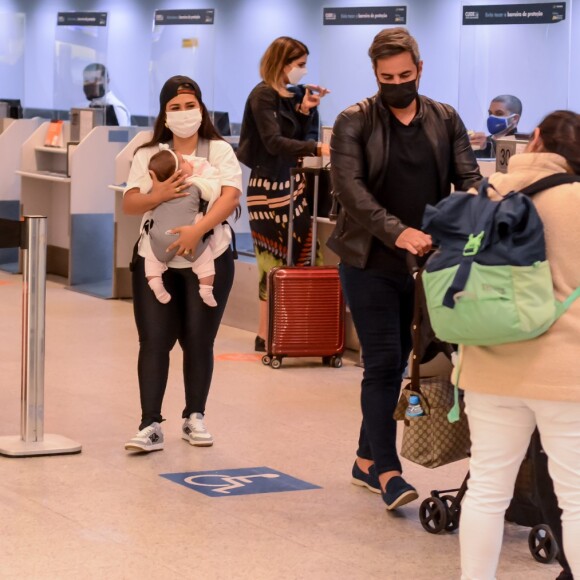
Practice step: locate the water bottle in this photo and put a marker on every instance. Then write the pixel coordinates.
(414, 409)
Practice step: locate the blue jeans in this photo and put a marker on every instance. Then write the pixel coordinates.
(381, 305)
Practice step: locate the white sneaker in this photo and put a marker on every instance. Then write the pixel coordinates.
(195, 432)
(148, 439)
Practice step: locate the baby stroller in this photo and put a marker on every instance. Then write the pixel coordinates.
(534, 489)
(534, 503)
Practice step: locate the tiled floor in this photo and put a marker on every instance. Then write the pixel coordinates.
(107, 514)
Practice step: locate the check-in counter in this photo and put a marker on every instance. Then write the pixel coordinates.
(13, 133)
(67, 184)
(126, 226)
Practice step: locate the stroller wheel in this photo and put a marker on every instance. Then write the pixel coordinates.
(453, 513)
(433, 515)
(543, 545)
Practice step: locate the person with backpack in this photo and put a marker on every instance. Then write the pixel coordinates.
(511, 388)
(391, 155)
(185, 125)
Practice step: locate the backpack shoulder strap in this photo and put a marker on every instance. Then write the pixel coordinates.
(550, 181)
(203, 151)
(541, 185)
(203, 148)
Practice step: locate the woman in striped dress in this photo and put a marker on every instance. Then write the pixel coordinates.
(280, 126)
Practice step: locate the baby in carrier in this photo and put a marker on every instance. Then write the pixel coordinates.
(204, 184)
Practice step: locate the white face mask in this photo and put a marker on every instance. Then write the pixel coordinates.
(183, 124)
(295, 74)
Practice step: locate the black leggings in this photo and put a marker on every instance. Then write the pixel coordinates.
(185, 319)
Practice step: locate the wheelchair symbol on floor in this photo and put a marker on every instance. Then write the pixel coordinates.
(225, 483)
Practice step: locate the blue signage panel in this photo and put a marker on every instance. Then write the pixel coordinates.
(118, 136)
(245, 481)
(370, 15)
(201, 16)
(546, 13)
(82, 19)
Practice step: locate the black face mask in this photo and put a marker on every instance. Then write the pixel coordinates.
(94, 90)
(398, 96)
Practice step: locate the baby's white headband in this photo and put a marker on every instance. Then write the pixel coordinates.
(165, 147)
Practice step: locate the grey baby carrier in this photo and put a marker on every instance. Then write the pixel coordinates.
(181, 211)
(171, 214)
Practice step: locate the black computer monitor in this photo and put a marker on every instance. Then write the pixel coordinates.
(54, 114)
(141, 121)
(221, 121)
(14, 108)
(111, 116)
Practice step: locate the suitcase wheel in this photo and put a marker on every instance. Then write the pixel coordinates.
(543, 545)
(276, 362)
(433, 515)
(332, 361)
(336, 362)
(266, 360)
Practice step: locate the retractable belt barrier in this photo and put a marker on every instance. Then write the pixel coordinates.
(10, 233)
(30, 236)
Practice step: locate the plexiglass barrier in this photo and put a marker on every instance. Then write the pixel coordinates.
(183, 44)
(12, 43)
(525, 54)
(345, 68)
(81, 40)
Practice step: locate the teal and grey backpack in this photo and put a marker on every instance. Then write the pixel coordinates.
(489, 282)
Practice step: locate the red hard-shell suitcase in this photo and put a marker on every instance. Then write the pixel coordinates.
(306, 304)
(306, 315)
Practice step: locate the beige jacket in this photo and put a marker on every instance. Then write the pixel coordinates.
(547, 367)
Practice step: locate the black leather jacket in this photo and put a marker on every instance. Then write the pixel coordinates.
(274, 135)
(359, 151)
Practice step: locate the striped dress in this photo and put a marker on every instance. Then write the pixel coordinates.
(268, 206)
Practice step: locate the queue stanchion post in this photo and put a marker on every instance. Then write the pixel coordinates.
(32, 440)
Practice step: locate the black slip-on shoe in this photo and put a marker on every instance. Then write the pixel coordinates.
(398, 493)
(369, 480)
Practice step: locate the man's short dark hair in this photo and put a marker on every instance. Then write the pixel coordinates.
(513, 104)
(97, 67)
(391, 42)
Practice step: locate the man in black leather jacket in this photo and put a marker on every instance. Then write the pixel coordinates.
(391, 155)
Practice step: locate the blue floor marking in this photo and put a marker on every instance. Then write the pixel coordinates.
(245, 481)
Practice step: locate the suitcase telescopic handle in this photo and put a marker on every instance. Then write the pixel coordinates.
(293, 174)
(290, 256)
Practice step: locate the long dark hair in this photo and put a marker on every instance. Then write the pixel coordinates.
(171, 88)
(560, 133)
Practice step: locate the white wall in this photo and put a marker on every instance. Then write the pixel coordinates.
(338, 58)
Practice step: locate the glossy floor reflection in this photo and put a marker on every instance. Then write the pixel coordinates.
(108, 514)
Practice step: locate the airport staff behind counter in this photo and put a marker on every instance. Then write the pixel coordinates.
(505, 111)
(96, 88)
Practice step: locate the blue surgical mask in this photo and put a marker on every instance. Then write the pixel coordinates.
(496, 125)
